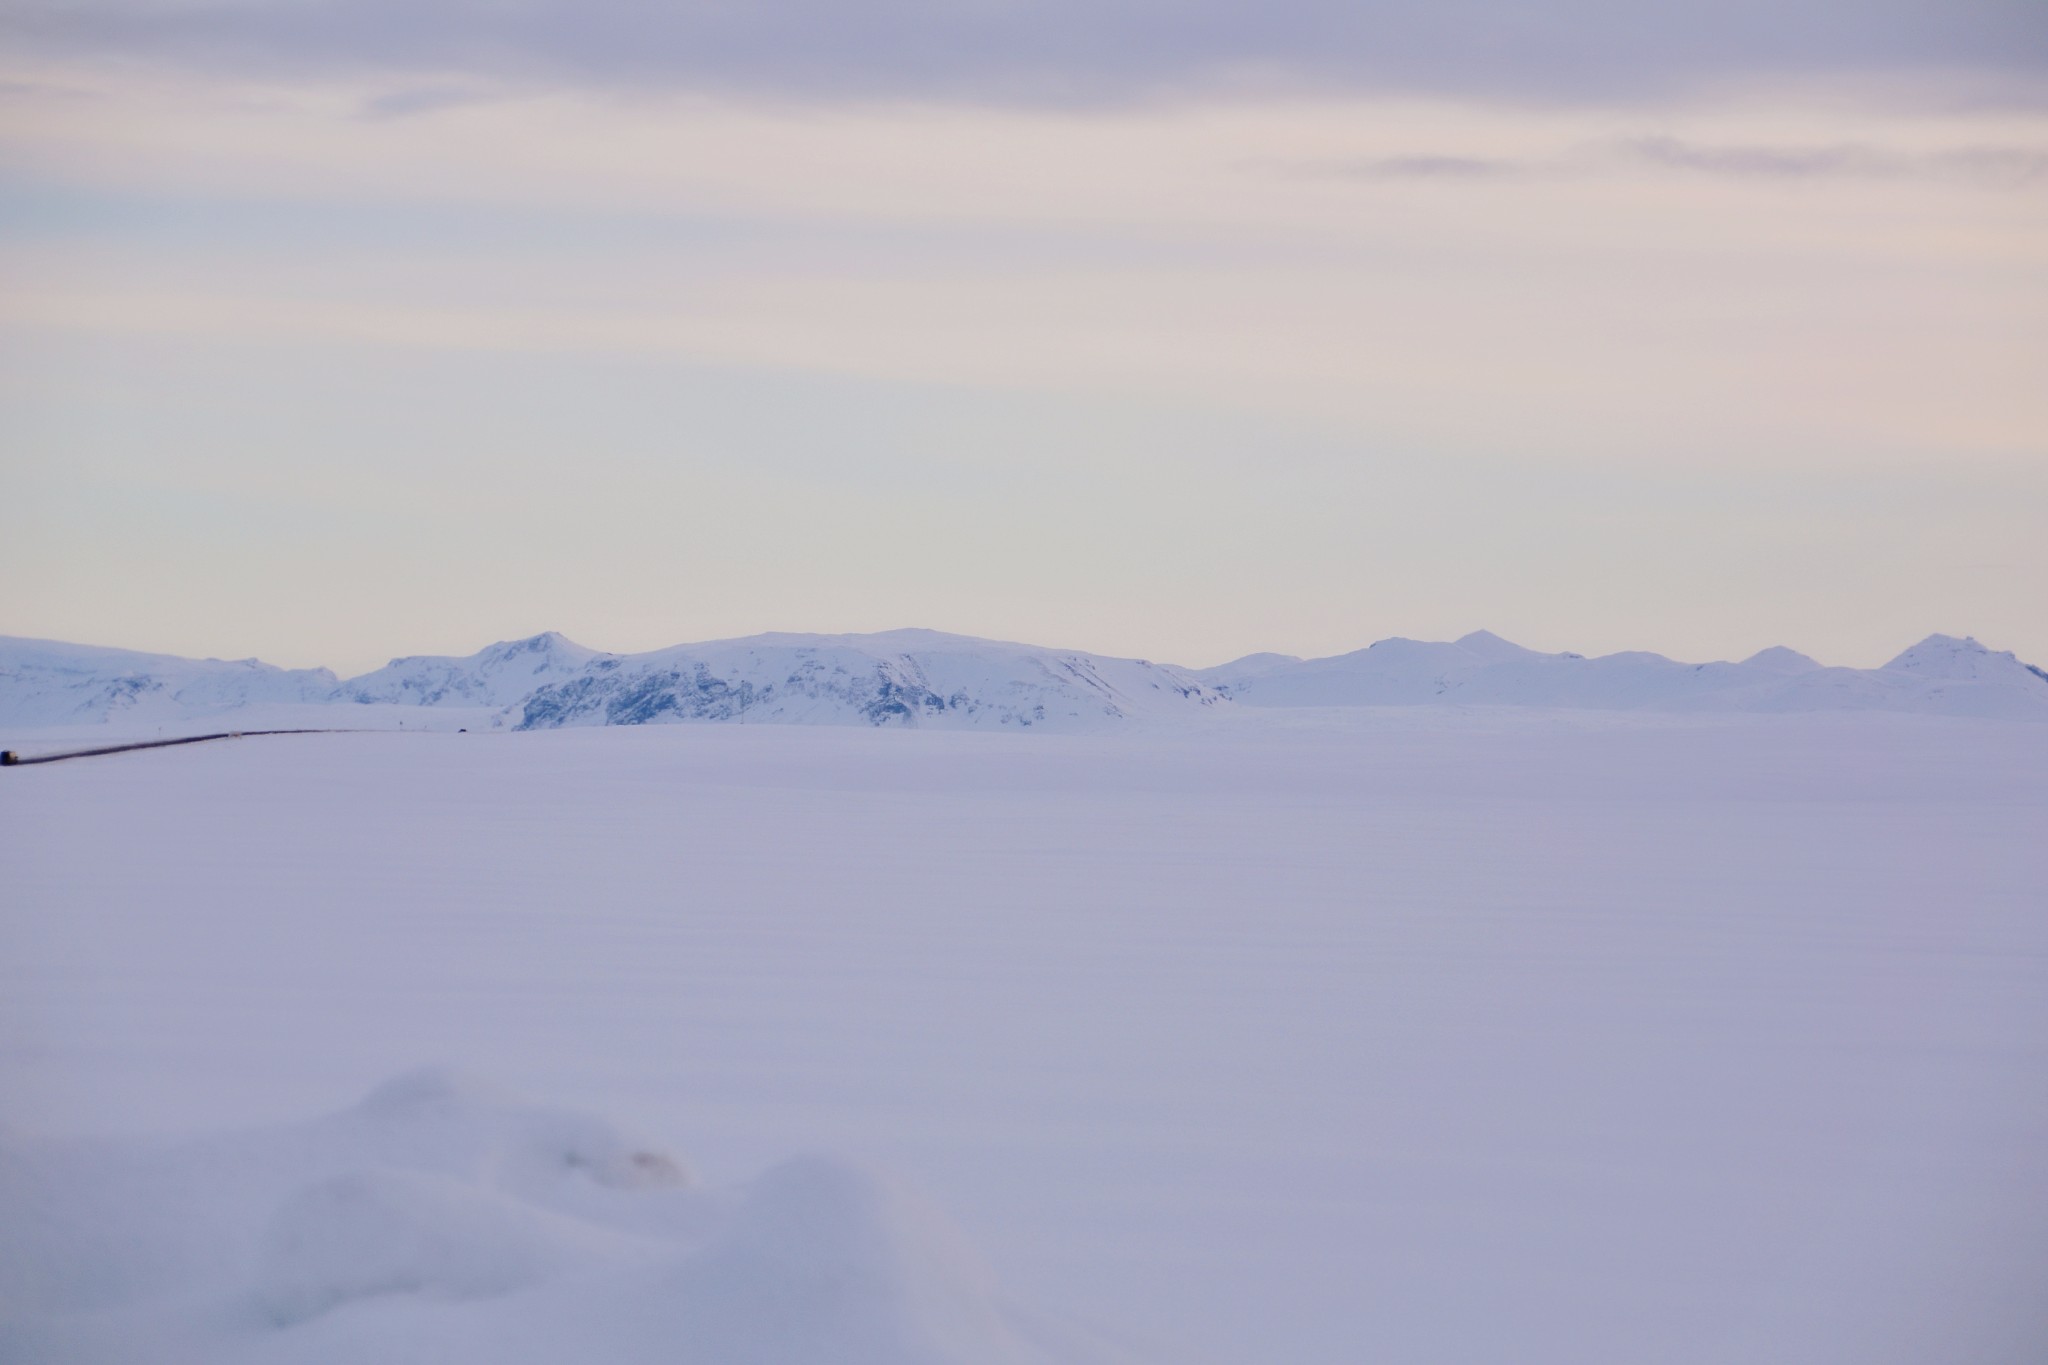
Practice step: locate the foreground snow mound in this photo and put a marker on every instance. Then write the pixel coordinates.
(442, 1219)
(388, 1232)
(1939, 676)
(903, 677)
(45, 682)
(825, 1261)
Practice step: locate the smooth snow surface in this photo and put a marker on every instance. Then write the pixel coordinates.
(1310, 1037)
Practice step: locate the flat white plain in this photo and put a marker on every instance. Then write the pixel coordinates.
(1399, 1036)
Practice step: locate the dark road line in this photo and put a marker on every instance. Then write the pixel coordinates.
(11, 759)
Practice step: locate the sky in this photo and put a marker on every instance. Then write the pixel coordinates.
(331, 332)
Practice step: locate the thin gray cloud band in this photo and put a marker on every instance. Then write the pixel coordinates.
(1077, 50)
(2012, 167)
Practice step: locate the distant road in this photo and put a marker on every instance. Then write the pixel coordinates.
(11, 759)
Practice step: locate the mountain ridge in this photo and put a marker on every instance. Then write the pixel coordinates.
(922, 677)
(1940, 675)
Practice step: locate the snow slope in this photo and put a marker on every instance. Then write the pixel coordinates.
(1943, 658)
(1428, 1036)
(45, 682)
(500, 675)
(1939, 676)
(901, 677)
(445, 1219)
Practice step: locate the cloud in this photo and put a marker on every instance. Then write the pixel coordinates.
(2012, 167)
(1793, 163)
(1073, 50)
(1978, 166)
(418, 99)
(1432, 166)
(1997, 166)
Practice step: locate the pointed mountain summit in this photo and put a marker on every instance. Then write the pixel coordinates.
(1779, 659)
(1484, 644)
(1946, 658)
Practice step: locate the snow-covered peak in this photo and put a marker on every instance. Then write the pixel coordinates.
(502, 674)
(923, 677)
(1945, 657)
(901, 677)
(1779, 659)
(1485, 644)
(1938, 676)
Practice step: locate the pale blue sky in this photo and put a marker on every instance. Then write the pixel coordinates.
(1176, 339)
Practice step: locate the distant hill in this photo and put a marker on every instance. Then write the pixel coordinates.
(43, 682)
(1939, 676)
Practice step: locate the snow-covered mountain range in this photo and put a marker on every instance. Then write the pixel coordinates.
(43, 682)
(927, 678)
(906, 677)
(1940, 675)
(902, 677)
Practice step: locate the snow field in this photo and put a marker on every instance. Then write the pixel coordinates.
(1403, 1039)
(363, 1236)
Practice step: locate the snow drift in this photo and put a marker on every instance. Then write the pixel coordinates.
(443, 1219)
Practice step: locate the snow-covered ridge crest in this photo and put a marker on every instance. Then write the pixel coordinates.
(902, 677)
(502, 674)
(47, 682)
(1945, 658)
(1939, 676)
(910, 678)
